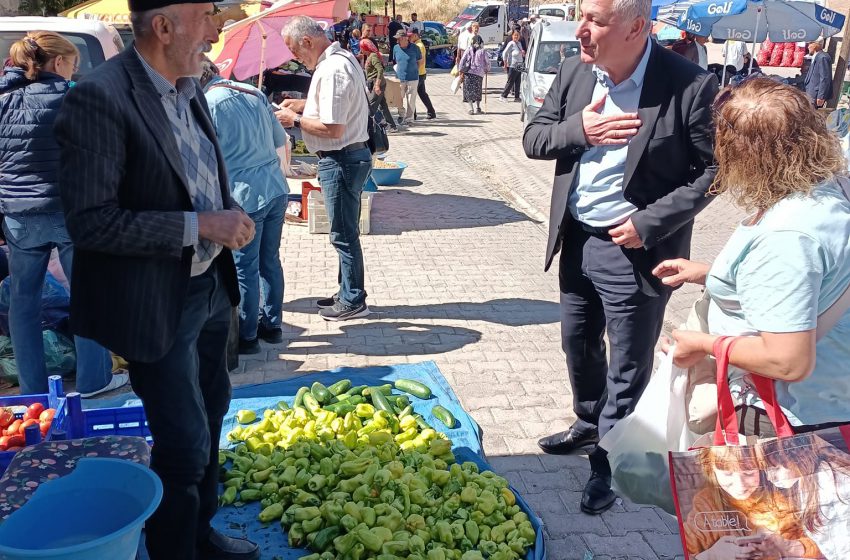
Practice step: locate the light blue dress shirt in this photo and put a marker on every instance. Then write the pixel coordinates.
(248, 134)
(597, 198)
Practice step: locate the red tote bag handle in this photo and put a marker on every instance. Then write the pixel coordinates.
(727, 419)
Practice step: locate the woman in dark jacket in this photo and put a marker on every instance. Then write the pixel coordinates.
(31, 93)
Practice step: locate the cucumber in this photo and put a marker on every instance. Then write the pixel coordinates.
(356, 390)
(414, 388)
(444, 416)
(282, 405)
(320, 392)
(341, 408)
(311, 403)
(383, 389)
(340, 387)
(380, 402)
(421, 422)
(299, 396)
(399, 401)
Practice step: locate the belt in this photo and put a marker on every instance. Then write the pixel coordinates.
(593, 230)
(350, 148)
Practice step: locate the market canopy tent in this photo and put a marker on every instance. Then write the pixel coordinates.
(107, 11)
(253, 45)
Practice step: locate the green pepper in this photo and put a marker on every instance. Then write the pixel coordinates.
(351, 484)
(415, 522)
(228, 496)
(370, 540)
(468, 495)
(316, 482)
(234, 482)
(472, 555)
(288, 475)
(497, 534)
(242, 464)
(487, 547)
(314, 556)
(437, 553)
(345, 542)
(246, 416)
(353, 510)
(440, 477)
(416, 544)
(395, 547)
(486, 502)
(356, 552)
(526, 531)
(303, 498)
(362, 493)
(444, 533)
(270, 488)
(312, 525)
(324, 538)
(271, 513)
(250, 495)
(369, 516)
(351, 468)
(305, 513)
(472, 532)
(519, 545)
(302, 478)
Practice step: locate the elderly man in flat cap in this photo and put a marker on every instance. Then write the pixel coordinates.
(148, 207)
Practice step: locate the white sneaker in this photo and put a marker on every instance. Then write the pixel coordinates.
(503, 99)
(118, 380)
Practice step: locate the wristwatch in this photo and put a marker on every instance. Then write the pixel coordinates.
(296, 122)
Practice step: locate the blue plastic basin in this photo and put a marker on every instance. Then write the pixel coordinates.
(392, 176)
(97, 511)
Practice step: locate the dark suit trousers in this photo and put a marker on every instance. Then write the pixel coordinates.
(186, 395)
(599, 293)
(423, 95)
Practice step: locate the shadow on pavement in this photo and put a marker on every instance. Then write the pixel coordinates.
(512, 312)
(382, 339)
(425, 133)
(397, 211)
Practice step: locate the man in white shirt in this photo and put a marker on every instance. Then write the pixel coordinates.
(733, 53)
(333, 123)
(416, 25)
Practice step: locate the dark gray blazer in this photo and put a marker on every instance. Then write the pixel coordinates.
(670, 162)
(124, 192)
(818, 79)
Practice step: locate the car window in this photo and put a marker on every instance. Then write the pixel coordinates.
(550, 54)
(552, 12)
(91, 53)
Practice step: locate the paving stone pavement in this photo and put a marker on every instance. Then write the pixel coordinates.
(454, 274)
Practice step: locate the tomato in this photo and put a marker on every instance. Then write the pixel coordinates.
(13, 428)
(15, 441)
(6, 418)
(44, 427)
(47, 415)
(35, 409)
(26, 424)
(4, 443)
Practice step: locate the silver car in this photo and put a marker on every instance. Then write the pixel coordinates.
(551, 43)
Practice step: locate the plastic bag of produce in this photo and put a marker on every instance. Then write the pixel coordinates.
(60, 356)
(776, 56)
(638, 446)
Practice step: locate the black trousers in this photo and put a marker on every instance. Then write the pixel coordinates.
(423, 95)
(514, 77)
(186, 395)
(599, 294)
(380, 101)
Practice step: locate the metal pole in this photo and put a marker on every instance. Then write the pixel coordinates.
(841, 64)
(262, 55)
(725, 63)
(755, 38)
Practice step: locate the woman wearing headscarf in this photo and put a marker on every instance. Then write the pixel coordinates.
(374, 67)
(473, 67)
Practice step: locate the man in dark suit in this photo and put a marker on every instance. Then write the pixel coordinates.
(819, 77)
(629, 124)
(148, 207)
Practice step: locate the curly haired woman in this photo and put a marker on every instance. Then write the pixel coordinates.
(785, 264)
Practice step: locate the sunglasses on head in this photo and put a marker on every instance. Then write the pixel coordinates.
(726, 94)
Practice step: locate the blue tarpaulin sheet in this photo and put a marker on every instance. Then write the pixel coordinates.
(466, 436)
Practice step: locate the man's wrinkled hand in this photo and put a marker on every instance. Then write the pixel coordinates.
(610, 130)
(626, 235)
(286, 117)
(296, 105)
(232, 228)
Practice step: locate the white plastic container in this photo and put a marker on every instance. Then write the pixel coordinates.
(317, 215)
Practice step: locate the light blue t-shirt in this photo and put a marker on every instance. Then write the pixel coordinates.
(597, 198)
(248, 133)
(777, 276)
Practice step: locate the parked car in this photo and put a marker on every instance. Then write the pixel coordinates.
(95, 40)
(555, 12)
(551, 43)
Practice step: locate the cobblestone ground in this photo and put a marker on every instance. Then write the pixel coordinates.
(454, 274)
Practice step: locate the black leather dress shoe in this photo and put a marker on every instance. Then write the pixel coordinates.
(249, 346)
(221, 547)
(597, 496)
(272, 335)
(567, 442)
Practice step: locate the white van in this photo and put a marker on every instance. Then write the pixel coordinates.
(555, 12)
(96, 41)
(551, 43)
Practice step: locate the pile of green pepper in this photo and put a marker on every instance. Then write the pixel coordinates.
(363, 483)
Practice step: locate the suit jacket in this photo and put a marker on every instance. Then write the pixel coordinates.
(670, 162)
(819, 77)
(124, 192)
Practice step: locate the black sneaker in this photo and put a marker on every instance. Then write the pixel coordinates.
(341, 312)
(324, 303)
(249, 346)
(431, 117)
(272, 335)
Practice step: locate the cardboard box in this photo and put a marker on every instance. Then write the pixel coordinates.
(393, 93)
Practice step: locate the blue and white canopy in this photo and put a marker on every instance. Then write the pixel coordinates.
(782, 21)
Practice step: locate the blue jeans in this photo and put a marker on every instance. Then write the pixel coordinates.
(342, 175)
(260, 273)
(31, 237)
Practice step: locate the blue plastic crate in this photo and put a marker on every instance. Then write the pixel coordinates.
(54, 399)
(121, 421)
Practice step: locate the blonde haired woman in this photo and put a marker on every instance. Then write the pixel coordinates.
(784, 265)
(31, 93)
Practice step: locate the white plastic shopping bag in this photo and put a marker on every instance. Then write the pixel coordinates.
(456, 83)
(638, 445)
